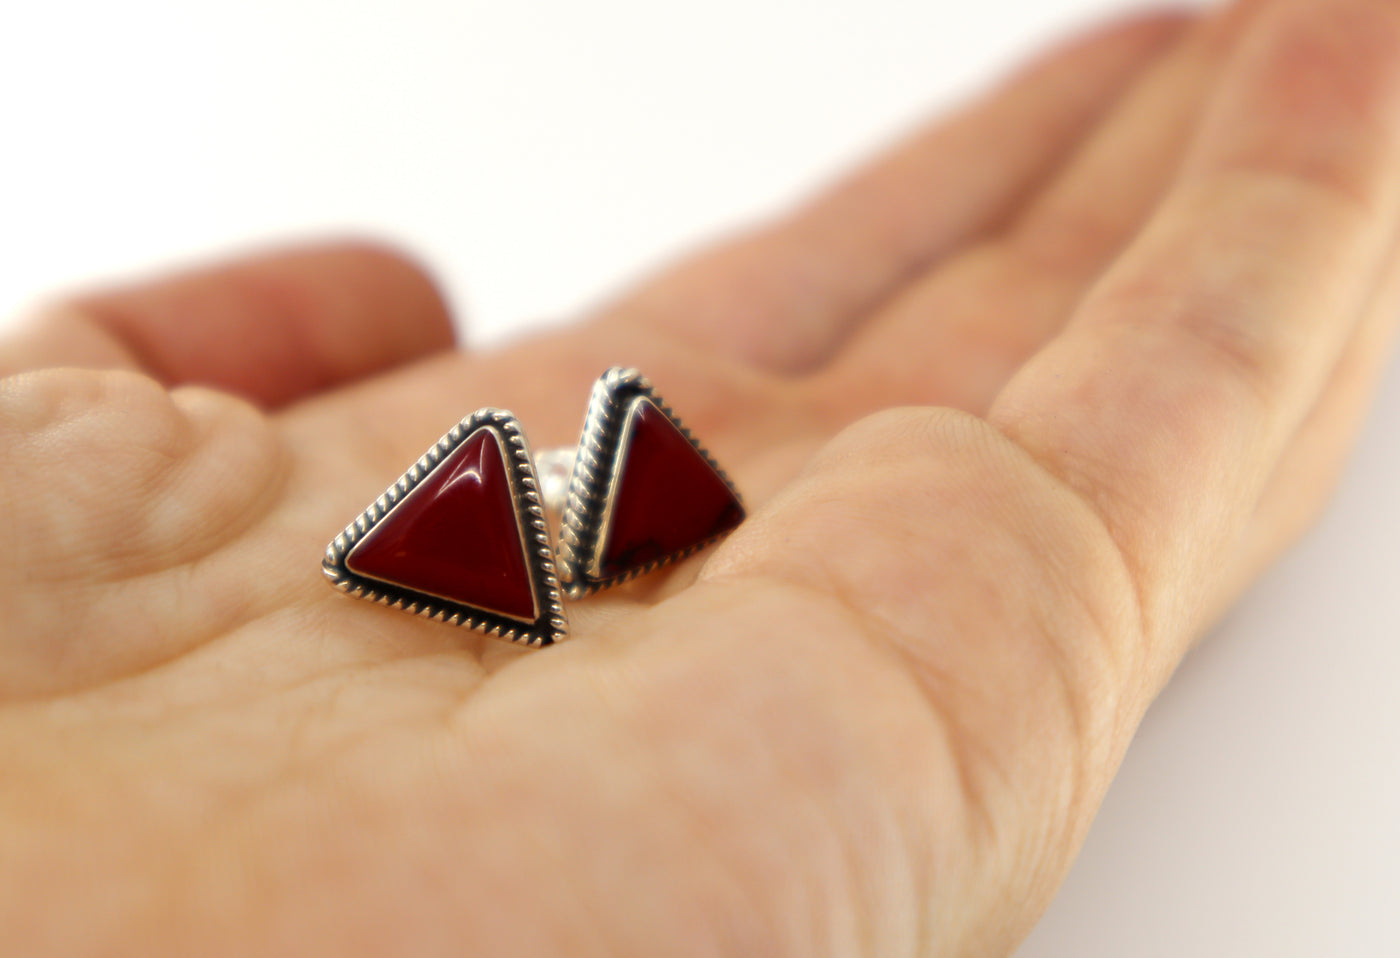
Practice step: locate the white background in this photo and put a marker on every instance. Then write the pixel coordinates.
(538, 154)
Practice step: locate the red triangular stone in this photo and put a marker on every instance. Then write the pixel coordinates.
(668, 499)
(456, 535)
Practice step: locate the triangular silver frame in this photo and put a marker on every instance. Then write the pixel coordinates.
(595, 477)
(551, 625)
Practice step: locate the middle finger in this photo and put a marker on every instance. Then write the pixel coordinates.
(954, 336)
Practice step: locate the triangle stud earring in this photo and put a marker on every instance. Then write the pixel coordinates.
(460, 537)
(643, 492)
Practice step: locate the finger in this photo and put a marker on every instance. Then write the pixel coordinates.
(785, 297)
(1170, 399)
(1313, 463)
(272, 328)
(955, 335)
(1080, 221)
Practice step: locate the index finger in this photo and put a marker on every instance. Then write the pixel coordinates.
(1177, 387)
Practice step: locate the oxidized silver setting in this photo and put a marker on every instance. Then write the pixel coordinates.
(596, 475)
(551, 625)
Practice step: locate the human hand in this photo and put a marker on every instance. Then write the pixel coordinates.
(1132, 311)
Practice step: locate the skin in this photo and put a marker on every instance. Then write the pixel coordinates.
(1020, 408)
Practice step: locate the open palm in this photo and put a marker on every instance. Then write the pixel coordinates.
(1018, 409)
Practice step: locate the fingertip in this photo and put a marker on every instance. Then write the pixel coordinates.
(1132, 36)
(279, 325)
(1161, 22)
(400, 277)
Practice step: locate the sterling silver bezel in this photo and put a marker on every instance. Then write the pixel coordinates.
(550, 626)
(596, 474)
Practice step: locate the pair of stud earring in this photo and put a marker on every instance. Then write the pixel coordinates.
(463, 536)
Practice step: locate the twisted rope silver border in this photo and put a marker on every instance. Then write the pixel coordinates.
(550, 627)
(595, 477)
